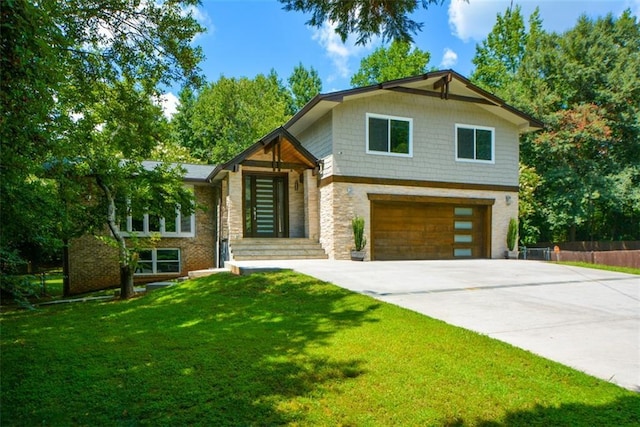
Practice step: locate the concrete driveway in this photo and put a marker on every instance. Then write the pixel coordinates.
(584, 318)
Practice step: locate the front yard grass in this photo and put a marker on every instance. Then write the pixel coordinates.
(280, 348)
(628, 270)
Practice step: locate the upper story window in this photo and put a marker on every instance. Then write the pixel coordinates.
(389, 135)
(475, 143)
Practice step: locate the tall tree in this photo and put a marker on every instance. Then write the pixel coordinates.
(499, 56)
(231, 114)
(304, 85)
(389, 63)
(73, 74)
(364, 18)
(583, 85)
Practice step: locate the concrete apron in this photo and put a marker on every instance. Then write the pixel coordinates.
(584, 318)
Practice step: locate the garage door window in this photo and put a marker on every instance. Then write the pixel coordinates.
(474, 143)
(389, 135)
(463, 232)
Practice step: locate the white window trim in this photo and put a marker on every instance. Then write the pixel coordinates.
(145, 225)
(475, 127)
(388, 117)
(154, 262)
(146, 232)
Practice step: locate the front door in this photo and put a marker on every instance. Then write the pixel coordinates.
(265, 206)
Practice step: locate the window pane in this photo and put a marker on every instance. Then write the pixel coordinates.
(378, 134)
(465, 143)
(463, 211)
(137, 222)
(399, 136)
(483, 144)
(154, 223)
(185, 223)
(168, 267)
(144, 268)
(168, 254)
(462, 252)
(463, 238)
(170, 225)
(145, 256)
(463, 225)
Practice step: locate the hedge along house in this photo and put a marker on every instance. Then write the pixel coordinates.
(430, 162)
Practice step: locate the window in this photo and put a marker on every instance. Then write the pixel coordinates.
(474, 143)
(144, 224)
(389, 135)
(158, 261)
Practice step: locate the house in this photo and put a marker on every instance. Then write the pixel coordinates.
(430, 162)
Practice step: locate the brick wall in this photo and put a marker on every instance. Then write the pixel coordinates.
(93, 264)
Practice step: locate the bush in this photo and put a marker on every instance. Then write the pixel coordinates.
(360, 241)
(512, 234)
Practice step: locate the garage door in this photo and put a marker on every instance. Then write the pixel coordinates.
(411, 231)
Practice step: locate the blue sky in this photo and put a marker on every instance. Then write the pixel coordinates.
(248, 37)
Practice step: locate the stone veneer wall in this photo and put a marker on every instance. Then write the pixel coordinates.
(93, 265)
(340, 202)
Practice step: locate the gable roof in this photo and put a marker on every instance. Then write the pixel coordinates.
(287, 151)
(446, 85)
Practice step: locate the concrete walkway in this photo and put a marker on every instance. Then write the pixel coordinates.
(584, 318)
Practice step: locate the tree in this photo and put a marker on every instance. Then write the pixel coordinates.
(583, 85)
(364, 18)
(72, 74)
(499, 56)
(395, 62)
(304, 85)
(231, 114)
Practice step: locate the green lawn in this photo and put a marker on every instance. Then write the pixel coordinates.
(628, 270)
(280, 348)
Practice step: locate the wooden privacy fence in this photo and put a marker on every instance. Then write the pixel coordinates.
(626, 258)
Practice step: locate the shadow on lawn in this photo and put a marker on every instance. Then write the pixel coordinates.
(624, 411)
(222, 350)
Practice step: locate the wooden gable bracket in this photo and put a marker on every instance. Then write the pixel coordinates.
(443, 85)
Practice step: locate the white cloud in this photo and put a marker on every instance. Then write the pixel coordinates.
(340, 53)
(473, 20)
(449, 58)
(169, 103)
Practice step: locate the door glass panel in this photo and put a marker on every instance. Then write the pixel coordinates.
(463, 238)
(281, 206)
(264, 206)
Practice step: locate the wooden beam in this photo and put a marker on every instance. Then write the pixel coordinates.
(453, 97)
(444, 81)
(269, 165)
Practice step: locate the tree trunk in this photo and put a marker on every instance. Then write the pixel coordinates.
(126, 282)
(66, 291)
(126, 272)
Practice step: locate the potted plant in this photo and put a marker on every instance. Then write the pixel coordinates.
(512, 238)
(358, 253)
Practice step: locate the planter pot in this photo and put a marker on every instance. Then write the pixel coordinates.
(357, 255)
(511, 254)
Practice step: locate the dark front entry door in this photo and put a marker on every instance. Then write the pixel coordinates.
(265, 206)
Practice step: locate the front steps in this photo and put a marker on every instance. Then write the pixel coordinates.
(270, 249)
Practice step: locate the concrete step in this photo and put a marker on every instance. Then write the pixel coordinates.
(272, 249)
